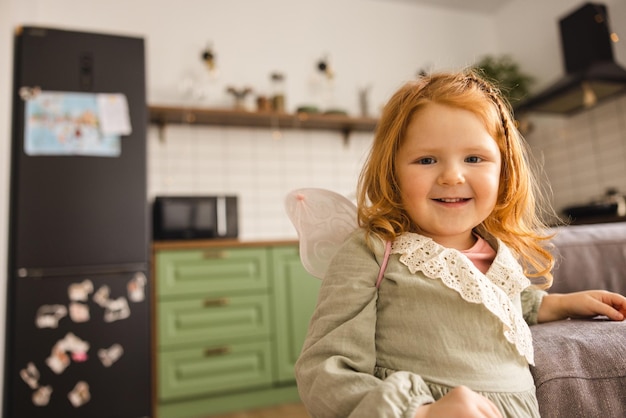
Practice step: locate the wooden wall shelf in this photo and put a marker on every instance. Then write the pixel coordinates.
(164, 115)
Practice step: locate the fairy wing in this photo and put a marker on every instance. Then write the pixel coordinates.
(323, 220)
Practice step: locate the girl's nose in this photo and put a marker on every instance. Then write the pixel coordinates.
(451, 174)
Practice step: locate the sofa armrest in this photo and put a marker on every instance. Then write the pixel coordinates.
(580, 368)
(590, 257)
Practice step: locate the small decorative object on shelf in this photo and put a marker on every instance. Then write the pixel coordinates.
(263, 104)
(278, 91)
(198, 84)
(239, 95)
(364, 100)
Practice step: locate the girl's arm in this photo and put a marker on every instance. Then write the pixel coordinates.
(335, 371)
(584, 304)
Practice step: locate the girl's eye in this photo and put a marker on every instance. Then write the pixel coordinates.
(473, 159)
(425, 160)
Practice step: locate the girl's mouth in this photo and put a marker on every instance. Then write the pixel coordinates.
(452, 199)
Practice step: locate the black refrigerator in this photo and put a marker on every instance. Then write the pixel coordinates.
(78, 315)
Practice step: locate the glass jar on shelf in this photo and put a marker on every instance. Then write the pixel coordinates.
(278, 91)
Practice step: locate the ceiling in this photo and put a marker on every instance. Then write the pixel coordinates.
(478, 6)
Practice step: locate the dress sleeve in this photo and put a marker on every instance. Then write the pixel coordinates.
(531, 300)
(335, 371)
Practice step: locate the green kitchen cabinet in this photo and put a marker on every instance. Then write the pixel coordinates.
(296, 295)
(230, 323)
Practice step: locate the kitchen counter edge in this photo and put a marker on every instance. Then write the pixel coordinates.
(217, 243)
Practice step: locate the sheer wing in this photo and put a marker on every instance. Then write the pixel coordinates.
(323, 220)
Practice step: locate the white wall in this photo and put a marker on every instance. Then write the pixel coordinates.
(368, 41)
(375, 42)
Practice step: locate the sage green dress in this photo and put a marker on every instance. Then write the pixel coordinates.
(435, 322)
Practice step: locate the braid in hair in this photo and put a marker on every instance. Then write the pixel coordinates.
(504, 112)
(496, 98)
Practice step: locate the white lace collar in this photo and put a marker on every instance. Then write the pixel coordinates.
(495, 289)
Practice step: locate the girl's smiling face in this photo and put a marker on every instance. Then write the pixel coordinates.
(448, 169)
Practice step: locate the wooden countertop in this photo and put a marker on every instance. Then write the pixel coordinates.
(216, 243)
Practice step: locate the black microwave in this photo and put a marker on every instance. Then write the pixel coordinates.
(194, 217)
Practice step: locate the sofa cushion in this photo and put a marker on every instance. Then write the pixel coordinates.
(590, 257)
(580, 368)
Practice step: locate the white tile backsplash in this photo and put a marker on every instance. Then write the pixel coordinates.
(255, 166)
(583, 154)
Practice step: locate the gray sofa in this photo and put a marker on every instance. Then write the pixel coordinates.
(580, 365)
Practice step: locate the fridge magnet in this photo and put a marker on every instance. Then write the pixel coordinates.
(116, 310)
(114, 114)
(66, 123)
(110, 355)
(77, 347)
(80, 394)
(80, 291)
(58, 360)
(136, 287)
(28, 93)
(79, 356)
(79, 312)
(48, 316)
(41, 396)
(30, 375)
(101, 297)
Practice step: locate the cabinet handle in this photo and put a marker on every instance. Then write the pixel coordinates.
(217, 351)
(214, 254)
(216, 302)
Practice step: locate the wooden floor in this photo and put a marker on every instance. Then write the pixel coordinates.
(295, 410)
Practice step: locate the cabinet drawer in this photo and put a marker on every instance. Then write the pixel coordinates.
(213, 320)
(208, 370)
(211, 271)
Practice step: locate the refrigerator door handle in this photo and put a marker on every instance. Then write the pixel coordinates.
(38, 272)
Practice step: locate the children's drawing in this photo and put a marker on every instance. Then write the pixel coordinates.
(63, 123)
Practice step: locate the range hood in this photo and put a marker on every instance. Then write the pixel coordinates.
(592, 74)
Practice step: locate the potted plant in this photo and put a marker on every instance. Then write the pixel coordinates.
(505, 73)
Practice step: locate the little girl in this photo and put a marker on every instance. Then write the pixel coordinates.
(447, 185)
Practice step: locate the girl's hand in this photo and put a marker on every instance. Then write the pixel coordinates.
(460, 402)
(585, 304)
